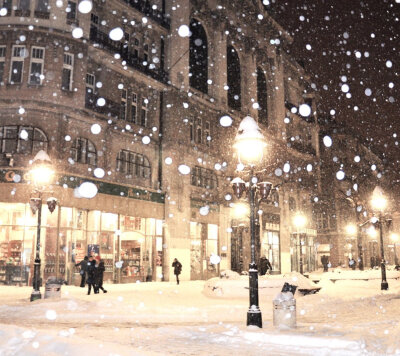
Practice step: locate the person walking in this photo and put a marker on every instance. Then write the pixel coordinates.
(265, 265)
(99, 275)
(83, 269)
(90, 275)
(177, 269)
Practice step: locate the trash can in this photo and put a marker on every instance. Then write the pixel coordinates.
(53, 288)
(284, 304)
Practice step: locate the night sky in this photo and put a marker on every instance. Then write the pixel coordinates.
(355, 43)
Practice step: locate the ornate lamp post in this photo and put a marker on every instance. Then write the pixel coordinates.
(379, 204)
(299, 220)
(41, 175)
(250, 143)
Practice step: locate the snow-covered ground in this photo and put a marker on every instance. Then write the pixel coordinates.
(346, 317)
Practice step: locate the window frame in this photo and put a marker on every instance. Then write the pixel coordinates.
(2, 61)
(124, 104)
(70, 67)
(133, 164)
(144, 110)
(83, 153)
(35, 131)
(134, 112)
(38, 61)
(203, 178)
(17, 59)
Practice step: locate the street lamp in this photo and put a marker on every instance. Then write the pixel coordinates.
(379, 204)
(41, 175)
(299, 220)
(250, 143)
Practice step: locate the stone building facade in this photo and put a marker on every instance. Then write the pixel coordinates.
(134, 96)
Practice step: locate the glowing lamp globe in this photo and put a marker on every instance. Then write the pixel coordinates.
(249, 142)
(42, 171)
(378, 201)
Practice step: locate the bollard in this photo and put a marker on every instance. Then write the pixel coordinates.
(284, 304)
(53, 288)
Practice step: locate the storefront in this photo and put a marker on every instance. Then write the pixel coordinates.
(303, 250)
(69, 234)
(130, 244)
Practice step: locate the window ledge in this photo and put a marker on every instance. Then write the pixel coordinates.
(31, 85)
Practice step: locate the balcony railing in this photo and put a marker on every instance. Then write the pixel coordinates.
(111, 108)
(145, 8)
(103, 41)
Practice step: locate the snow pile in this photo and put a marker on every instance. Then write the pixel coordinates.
(268, 285)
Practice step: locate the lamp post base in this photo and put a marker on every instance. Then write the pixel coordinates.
(254, 317)
(384, 285)
(35, 295)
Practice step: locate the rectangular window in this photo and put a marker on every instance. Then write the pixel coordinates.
(2, 61)
(90, 80)
(10, 139)
(37, 62)
(24, 5)
(42, 5)
(67, 72)
(17, 64)
(146, 52)
(123, 104)
(207, 133)
(136, 43)
(7, 4)
(134, 108)
(191, 128)
(199, 131)
(71, 11)
(143, 115)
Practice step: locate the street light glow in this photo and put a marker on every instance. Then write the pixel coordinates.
(351, 229)
(299, 220)
(249, 142)
(378, 201)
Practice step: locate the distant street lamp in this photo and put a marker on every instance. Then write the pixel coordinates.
(41, 175)
(395, 238)
(299, 220)
(379, 204)
(250, 143)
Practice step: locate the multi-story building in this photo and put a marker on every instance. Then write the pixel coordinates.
(352, 171)
(143, 99)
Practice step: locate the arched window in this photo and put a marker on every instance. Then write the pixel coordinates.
(22, 139)
(262, 96)
(233, 80)
(133, 164)
(198, 57)
(84, 151)
(292, 204)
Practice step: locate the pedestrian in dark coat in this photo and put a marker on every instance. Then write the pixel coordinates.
(177, 269)
(90, 275)
(83, 269)
(98, 275)
(325, 262)
(265, 265)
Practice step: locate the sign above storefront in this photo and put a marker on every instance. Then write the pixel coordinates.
(21, 176)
